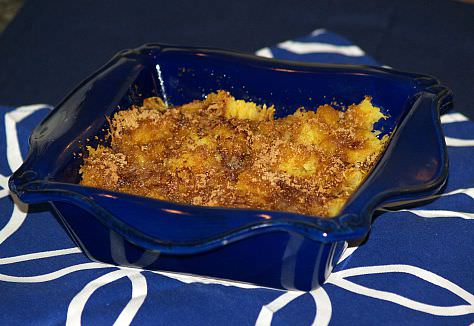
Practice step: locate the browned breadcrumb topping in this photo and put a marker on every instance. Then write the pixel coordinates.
(227, 152)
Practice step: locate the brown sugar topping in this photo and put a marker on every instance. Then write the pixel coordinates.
(226, 152)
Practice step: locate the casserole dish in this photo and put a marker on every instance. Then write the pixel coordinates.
(273, 249)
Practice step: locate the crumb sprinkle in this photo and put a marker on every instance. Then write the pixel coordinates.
(226, 152)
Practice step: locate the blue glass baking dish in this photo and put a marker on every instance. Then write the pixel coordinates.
(273, 249)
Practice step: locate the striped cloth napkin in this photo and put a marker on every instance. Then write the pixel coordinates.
(415, 268)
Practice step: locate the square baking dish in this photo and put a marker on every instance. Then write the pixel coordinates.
(268, 248)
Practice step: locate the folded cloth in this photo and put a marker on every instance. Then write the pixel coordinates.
(415, 267)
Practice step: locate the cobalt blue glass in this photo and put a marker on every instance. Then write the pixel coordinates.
(273, 249)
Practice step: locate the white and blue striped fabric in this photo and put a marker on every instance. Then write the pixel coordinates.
(416, 267)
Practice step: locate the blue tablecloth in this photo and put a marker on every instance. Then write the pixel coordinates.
(415, 268)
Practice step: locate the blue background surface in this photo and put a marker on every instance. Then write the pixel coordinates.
(439, 245)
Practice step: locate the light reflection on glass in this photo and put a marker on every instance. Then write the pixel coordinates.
(284, 70)
(162, 84)
(174, 211)
(108, 196)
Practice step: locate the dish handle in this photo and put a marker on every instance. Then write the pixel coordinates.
(415, 164)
